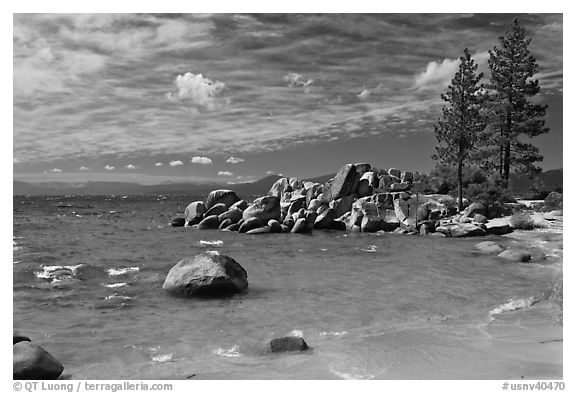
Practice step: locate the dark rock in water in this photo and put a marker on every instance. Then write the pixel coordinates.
(344, 183)
(177, 222)
(210, 222)
(241, 205)
(289, 222)
(209, 273)
(338, 225)
(460, 230)
(343, 205)
(227, 197)
(225, 224)
(17, 337)
(233, 227)
(216, 210)
(489, 247)
(275, 226)
(194, 212)
(480, 218)
(257, 231)
(251, 223)
(475, 208)
(310, 220)
(515, 255)
(325, 220)
(287, 344)
(370, 224)
(300, 226)
(33, 362)
(265, 208)
(285, 228)
(233, 214)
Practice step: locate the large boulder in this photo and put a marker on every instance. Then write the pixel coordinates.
(342, 205)
(265, 208)
(395, 174)
(209, 273)
(17, 337)
(475, 208)
(499, 226)
(279, 187)
(177, 222)
(194, 212)
(344, 183)
(33, 362)
(241, 205)
(407, 177)
(396, 187)
(297, 204)
(313, 192)
(460, 230)
(489, 247)
(384, 182)
(300, 226)
(227, 197)
(515, 255)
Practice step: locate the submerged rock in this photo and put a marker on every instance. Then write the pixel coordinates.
(515, 255)
(209, 273)
(31, 361)
(489, 247)
(286, 344)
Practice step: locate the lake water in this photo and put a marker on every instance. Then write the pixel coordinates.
(88, 275)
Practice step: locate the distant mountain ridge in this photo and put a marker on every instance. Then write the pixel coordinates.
(552, 180)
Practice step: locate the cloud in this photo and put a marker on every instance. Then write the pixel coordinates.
(55, 170)
(109, 168)
(297, 80)
(438, 74)
(201, 160)
(270, 172)
(234, 160)
(225, 173)
(130, 166)
(197, 91)
(158, 164)
(84, 168)
(176, 163)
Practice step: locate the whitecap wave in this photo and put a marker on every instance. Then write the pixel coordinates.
(335, 334)
(57, 273)
(122, 270)
(512, 305)
(167, 357)
(350, 376)
(214, 243)
(116, 296)
(371, 248)
(233, 352)
(116, 285)
(296, 333)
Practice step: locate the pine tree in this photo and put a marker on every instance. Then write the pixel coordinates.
(461, 122)
(512, 115)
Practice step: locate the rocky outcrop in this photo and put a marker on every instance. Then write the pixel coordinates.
(31, 361)
(344, 183)
(286, 344)
(489, 247)
(515, 255)
(210, 222)
(206, 274)
(250, 224)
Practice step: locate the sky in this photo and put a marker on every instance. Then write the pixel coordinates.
(232, 98)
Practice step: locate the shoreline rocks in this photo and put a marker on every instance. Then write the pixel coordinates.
(31, 361)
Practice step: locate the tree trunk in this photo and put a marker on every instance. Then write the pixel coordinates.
(507, 149)
(460, 204)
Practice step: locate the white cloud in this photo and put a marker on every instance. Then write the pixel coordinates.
(201, 160)
(130, 166)
(109, 168)
(438, 75)
(270, 172)
(225, 173)
(176, 163)
(198, 91)
(83, 168)
(234, 160)
(55, 170)
(297, 80)
(158, 164)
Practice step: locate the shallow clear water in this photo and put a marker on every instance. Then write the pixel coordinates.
(88, 274)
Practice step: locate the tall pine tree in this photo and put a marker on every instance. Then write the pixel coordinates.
(512, 115)
(461, 122)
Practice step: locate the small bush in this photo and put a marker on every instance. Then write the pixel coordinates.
(522, 221)
(554, 200)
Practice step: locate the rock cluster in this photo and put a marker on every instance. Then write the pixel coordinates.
(358, 198)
